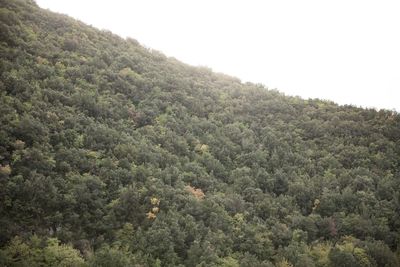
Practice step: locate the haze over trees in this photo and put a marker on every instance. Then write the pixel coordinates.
(112, 154)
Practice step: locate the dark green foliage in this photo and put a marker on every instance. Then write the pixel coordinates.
(112, 154)
(107, 256)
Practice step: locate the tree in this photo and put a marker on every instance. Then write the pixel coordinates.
(37, 252)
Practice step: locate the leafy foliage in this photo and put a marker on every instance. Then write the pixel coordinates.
(113, 154)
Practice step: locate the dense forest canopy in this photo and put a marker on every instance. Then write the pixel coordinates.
(112, 154)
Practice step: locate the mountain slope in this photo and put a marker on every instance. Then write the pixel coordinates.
(131, 158)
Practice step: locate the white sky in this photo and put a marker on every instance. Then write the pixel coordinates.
(347, 51)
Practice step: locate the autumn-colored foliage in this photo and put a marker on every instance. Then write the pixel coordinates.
(196, 192)
(155, 201)
(151, 215)
(5, 170)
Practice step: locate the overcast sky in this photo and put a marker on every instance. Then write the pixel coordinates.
(347, 51)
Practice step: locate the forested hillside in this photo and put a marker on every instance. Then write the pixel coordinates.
(112, 154)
